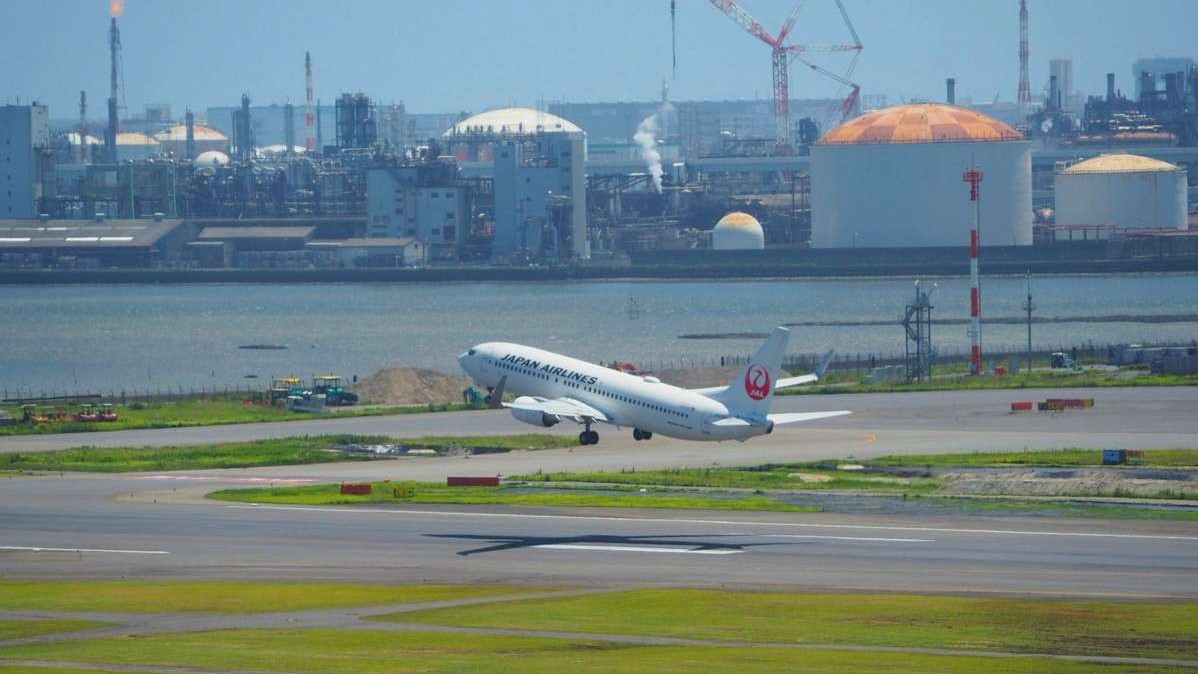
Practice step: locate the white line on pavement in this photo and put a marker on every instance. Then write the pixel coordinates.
(30, 548)
(854, 538)
(663, 520)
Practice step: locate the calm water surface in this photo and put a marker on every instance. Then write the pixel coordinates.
(114, 337)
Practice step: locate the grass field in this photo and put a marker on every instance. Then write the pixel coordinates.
(375, 652)
(200, 413)
(1011, 625)
(18, 629)
(757, 477)
(222, 597)
(275, 452)
(430, 493)
(1049, 458)
(846, 383)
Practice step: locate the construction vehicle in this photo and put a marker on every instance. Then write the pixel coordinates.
(283, 387)
(332, 387)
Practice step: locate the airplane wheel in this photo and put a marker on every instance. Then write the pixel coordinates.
(588, 437)
(637, 434)
(645, 435)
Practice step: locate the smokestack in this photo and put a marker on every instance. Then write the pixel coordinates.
(114, 58)
(190, 121)
(1147, 86)
(82, 127)
(289, 128)
(951, 94)
(1110, 87)
(1053, 93)
(309, 120)
(319, 130)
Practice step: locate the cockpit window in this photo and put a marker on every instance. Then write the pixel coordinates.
(470, 352)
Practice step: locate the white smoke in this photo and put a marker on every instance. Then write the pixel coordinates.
(646, 137)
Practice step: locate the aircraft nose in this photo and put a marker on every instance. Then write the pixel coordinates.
(464, 360)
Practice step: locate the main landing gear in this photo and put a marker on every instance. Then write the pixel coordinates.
(638, 434)
(588, 437)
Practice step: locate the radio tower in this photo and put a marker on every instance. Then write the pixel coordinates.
(974, 177)
(310, 117)
(1025, 89)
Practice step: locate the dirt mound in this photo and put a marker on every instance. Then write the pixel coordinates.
(410, 386)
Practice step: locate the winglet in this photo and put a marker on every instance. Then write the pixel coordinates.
(824, 363)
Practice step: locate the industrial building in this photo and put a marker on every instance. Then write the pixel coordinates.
(91, 244)
(892, 178)
(371, 252)
(1147, 72)
(426, 200)
(538, 168)
(1122, 191)
(25, 148)
(738, 231)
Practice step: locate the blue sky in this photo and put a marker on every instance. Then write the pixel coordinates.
(468, 55)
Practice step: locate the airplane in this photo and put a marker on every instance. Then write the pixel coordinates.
(550, 388)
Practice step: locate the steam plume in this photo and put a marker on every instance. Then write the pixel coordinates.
(646, 137)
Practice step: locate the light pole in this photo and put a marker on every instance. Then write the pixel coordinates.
(1029, 307)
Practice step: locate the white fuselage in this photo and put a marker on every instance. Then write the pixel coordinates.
(626, 399)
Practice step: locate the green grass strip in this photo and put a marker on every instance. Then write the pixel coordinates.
(273, 452)
(1039, 626)
(203, 413)
(314, 651)
(1048, 458)
(431, 493)
(221, 597)
(19, 629)
(845, 383)
(774, 476)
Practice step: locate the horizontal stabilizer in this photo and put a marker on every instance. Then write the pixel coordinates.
(796, 417)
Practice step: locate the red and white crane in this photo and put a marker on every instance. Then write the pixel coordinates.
(781, 55)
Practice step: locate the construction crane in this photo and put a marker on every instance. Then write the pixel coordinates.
(781, 55)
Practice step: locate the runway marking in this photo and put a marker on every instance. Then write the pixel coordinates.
(630, 548)
(855, 538)
(734, 523)
(30, 548)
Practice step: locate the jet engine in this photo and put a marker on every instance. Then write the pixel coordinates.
(532, 416)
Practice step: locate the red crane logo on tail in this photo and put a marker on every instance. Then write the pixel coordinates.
(757, 382)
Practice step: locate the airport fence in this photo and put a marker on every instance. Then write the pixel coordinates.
(36, 396)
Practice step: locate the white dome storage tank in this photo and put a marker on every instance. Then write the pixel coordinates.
(738, 231)
(1124, 190)
(892, 178)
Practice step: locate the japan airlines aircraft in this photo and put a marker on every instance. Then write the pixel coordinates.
(550, 387)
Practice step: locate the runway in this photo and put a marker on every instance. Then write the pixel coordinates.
(157, 525)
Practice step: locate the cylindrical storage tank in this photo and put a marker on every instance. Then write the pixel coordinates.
(893, 178)
(738, 231)
(1124, 190)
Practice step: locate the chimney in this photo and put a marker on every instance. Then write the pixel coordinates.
(1053, 94)
(1110, 87)
(951, 93)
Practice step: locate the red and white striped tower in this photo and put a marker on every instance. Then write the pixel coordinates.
(310, 116)
(974, 177)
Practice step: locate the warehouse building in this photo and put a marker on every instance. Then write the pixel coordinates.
(91, 244)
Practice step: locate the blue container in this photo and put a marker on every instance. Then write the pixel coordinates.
(1114, 457)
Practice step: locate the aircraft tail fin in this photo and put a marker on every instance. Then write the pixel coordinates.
(753, 392)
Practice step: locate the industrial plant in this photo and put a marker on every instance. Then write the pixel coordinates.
(364, 183)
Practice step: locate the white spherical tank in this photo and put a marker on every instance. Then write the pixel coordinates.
(893, 178)
(1123, 190)
(738, 231)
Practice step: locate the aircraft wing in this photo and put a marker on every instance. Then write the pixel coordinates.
(563, 408)
(796, 417)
